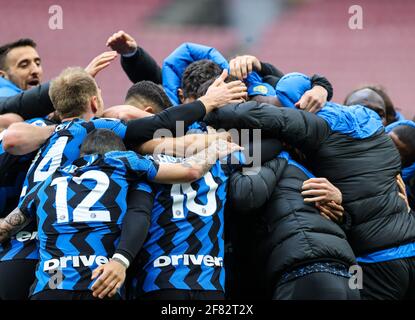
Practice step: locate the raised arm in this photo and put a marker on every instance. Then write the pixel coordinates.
(241, 66)
(218, 95)
(184, 146)
(22, 138)
(298, 128)
(195, 167)
(29, 104)
(135, 61)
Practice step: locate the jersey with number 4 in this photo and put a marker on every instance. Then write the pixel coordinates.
(61, 149)
(79, 210)
(13, 170)
(185, 245)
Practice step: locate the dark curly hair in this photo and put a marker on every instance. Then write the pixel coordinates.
(196, 74)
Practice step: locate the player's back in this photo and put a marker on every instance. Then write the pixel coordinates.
(80, 209)
(185, 246)
(62, 148)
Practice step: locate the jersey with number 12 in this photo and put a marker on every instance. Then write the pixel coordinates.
(60, 150)
(79, 211)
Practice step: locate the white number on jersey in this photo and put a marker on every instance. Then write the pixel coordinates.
(82, 212)
(178, 192)
(53, 157)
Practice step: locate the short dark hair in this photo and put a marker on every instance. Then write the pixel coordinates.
(150, 93)
(203, 88)
(101, 141)
(5, 49)
(389, 107)
(198, 73)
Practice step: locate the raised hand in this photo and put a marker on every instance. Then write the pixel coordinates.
(241, 66)
(313, 100)
(221, 93)
(122, 42)
(100, 62)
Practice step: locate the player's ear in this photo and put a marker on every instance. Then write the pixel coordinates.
(94, 104)
(149, 109)
(181, 95)
(4, 75)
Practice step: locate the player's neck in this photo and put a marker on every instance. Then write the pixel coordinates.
(69, 119)
(85, 117)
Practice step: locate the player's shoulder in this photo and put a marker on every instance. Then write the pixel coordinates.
(126, 157)
(98, 122)
(40, 122)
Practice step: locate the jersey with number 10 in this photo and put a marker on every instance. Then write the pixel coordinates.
(79, 211)
(185, 245)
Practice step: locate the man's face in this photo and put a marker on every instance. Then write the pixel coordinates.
(267, 99)
(23, 67)
(407, 156)
(369, 99)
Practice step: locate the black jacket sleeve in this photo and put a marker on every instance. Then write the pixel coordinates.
(252, 188)
(266, 149)
(135, 224)
(141, 66)
(267, 69)
(300, 129)
(142, 130)
(29, 104)
(346, 224)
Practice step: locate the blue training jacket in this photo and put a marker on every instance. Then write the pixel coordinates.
(8, 88)
(356, 121)
(175, 64)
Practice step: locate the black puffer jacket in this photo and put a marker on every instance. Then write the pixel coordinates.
(296, 234)
(363, 169)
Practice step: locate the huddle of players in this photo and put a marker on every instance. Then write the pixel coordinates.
(100, 211)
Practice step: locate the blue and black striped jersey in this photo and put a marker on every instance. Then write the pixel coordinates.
(80, 210)
(13, 171)
(59, 150)
(62, 148)
(185, 245)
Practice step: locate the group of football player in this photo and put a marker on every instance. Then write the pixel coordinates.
(211, 180)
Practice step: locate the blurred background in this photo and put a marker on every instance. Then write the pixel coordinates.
(309, 36)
